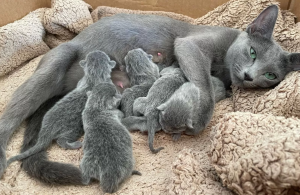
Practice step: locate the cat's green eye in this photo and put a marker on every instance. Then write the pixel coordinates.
(252, 53)
(270, 76)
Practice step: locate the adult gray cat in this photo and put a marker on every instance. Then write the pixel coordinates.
(248, 58)
(107, 143)
(142, 73)
(162, 89)
(63, 121)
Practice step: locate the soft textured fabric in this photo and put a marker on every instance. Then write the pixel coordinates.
(22, 40)
(209, 163)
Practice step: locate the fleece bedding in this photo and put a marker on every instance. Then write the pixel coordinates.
(251, 146)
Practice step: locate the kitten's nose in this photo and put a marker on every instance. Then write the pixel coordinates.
(247, 77)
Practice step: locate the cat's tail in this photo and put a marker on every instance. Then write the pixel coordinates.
(38, 165)
(135, 172)
(33, 150)
(153, 126)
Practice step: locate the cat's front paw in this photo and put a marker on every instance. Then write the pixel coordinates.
(3, 163)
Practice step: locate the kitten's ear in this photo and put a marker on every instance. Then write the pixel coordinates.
(189, 123)
(162, 107)
(294, 59)
(112, 63)
(264, 24)
(82, 63)
(89, 93)
(150, 56)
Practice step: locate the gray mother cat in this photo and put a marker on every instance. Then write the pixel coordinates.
(63, 121)
(142, 73)
(107, 144)
(249, 58)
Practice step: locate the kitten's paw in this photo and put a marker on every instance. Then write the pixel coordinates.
(75, 145)
(86, 180)
(3, 163)
(176, 136)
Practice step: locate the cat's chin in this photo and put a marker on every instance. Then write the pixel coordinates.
(244, 84)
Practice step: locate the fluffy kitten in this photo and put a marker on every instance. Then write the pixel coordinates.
(107, 143)
(161, 90)
(142, 73)
(178, 113)
(63, 121)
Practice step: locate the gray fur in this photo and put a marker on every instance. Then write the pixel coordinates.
(219, 89)
(107, 143)
(179, 113)
(142, 73)
(63, 121)
(161, 91)
(38, 165)
(201, 51)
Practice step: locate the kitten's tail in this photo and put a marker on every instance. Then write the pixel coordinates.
(153, 126)
(135, 172)
(38, 165)
(39, 146)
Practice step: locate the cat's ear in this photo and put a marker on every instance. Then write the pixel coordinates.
(264, 24)
(294, 61)
(189, 123)
(162, 107)
(112, 63)
(150, 56)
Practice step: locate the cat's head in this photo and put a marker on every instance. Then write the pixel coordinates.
(104, 96)
(97, 65)
(255, 59)
(175, 117)
(138, 62)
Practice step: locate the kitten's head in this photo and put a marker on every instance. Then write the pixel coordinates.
(140, 63)
(175, 116)
(97, 66)
(104, 96)
(255, 59)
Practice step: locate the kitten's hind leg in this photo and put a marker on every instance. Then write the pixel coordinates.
(135, 123)
(65, 143)
(46, 82)
(86, 179)
(176, 136)
(153, 126)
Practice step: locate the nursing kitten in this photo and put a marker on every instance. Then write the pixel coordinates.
(107, 144)
(63, 121)
(142, 73)
(160, 92)
(178, 114)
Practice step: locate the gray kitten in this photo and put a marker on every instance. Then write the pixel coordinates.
(107, 143)
(179, 112)
(63, 121)
(161, 90)
(142, 73)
